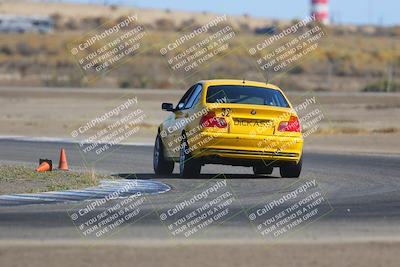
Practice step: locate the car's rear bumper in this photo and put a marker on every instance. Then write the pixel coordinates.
(269, 148)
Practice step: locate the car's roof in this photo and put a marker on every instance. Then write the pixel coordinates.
(239, 82)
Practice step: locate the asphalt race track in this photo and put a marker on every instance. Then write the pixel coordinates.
(363, 192)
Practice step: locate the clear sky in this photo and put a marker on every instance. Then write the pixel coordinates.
(378, 12)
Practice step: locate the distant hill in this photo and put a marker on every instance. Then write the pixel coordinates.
(147, 16)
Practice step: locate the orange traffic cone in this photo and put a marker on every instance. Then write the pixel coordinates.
(63, 165)
(44, 165)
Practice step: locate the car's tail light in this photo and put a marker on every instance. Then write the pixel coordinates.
(293, 125)
(210, 121)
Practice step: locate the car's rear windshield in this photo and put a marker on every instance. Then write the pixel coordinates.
(237, 94)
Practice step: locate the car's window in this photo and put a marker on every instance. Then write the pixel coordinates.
(238, 94)
(185, 98)
(197, 98)
(194, 96)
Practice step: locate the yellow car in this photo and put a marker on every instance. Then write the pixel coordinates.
(231, 122)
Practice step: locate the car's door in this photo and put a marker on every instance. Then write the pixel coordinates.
(173, 126)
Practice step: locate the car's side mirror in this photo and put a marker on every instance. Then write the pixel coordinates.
(167, 107)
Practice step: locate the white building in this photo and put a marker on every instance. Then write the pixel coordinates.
(21, 24)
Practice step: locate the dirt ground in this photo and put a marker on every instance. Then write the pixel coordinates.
(353, 122)
(198, 253)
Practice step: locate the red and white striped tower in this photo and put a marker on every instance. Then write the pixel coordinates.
(320, 8)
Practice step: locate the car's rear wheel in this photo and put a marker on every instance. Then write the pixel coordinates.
(262, 169)
(189, 167)
(291, 170)
(161, 165)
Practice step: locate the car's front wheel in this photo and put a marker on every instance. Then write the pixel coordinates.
(189, 167)
(161, 165)
(291, 170)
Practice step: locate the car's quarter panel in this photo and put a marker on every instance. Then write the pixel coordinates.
(193, 127)
(176, 133)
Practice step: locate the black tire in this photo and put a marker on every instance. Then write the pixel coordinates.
(291, 170)
(188, 167)
(161, 165)
(262, 169)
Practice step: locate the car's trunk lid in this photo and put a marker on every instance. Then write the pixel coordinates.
(252, 119)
